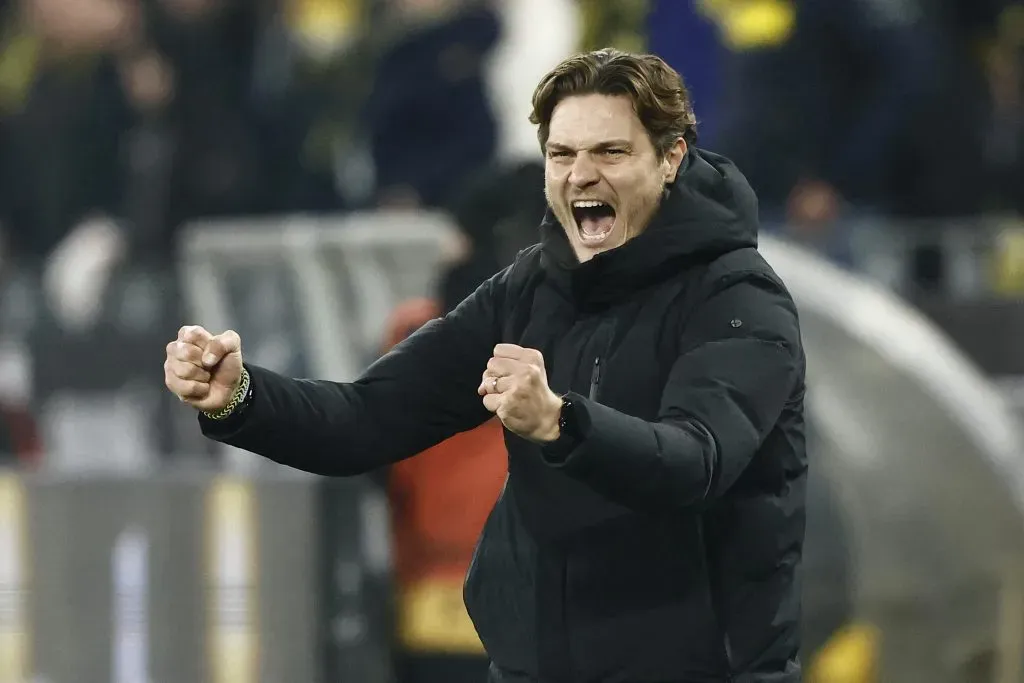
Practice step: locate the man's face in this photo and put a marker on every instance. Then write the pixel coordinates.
(604, 179)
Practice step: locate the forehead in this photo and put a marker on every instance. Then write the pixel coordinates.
(579, 121)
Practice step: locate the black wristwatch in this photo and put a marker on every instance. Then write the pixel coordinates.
(568, 432)
(568, 424)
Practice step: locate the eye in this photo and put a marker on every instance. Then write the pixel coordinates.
(615, 151)
(559, 154)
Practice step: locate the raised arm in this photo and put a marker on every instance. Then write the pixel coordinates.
(417, 395)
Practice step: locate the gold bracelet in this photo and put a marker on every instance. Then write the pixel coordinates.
(236, 399)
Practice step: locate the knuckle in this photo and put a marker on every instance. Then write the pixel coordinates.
(195, 334)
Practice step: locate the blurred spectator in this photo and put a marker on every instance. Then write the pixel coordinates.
(59, 173)
(614, 24)
(499, 211)
(817, 96)
(120, 125)
(851, 108)
(429, 117)
(963, 177)
(313, 70)
(219, 165)
(681, 33)
(534, 35)
(441, 498)
(1005, 141)
(936, 179)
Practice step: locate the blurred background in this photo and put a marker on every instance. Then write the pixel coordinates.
(325, 175)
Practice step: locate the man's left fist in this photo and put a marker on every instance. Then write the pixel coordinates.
(515, 388)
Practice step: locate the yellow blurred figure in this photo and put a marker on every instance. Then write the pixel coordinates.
(751, 24)
(1009, 262)
(613, 24)
(325, 26)
(850, 656)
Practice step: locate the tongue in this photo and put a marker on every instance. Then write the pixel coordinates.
(594, 226)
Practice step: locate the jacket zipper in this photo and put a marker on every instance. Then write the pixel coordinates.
(595, 379)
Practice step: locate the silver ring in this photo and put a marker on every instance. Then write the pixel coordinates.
(494, 384)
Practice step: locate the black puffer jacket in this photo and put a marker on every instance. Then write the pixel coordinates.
(666, 546)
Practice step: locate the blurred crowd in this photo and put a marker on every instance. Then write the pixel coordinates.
(123, 120)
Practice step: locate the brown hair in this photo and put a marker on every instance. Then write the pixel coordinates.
(657, 90)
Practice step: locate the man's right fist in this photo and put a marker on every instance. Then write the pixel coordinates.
(202, 369)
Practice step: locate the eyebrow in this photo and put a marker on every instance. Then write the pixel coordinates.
(599, 147)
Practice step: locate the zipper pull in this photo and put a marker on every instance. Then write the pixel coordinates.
(595, 378)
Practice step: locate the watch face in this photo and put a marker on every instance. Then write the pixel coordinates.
(565, 417)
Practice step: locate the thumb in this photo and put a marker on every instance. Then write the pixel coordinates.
(220, 346)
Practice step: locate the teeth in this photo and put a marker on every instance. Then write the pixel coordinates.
(587, 204)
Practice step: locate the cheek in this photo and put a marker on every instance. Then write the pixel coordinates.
(641, 194)
(554, 190)
(653, 187)
(555, 174)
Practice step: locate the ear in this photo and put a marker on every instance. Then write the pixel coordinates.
(673, 159)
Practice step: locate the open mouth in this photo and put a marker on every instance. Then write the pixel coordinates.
(594, 219)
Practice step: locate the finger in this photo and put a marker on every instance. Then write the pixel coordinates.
(520, 353)
(492, 385)
(186, 370)
(220, 346)
(492, 402)
(185, 351)
(194, 334)
(187, 389)
(532, 357)
(509, 351)
(503, 367)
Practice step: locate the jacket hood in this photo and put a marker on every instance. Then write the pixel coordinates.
(709, 210)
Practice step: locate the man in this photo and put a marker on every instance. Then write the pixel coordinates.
(646, 364)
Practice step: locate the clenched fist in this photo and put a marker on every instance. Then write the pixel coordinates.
(515, 388)
(203, 369)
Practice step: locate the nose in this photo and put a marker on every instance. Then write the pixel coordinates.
(584, 171)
